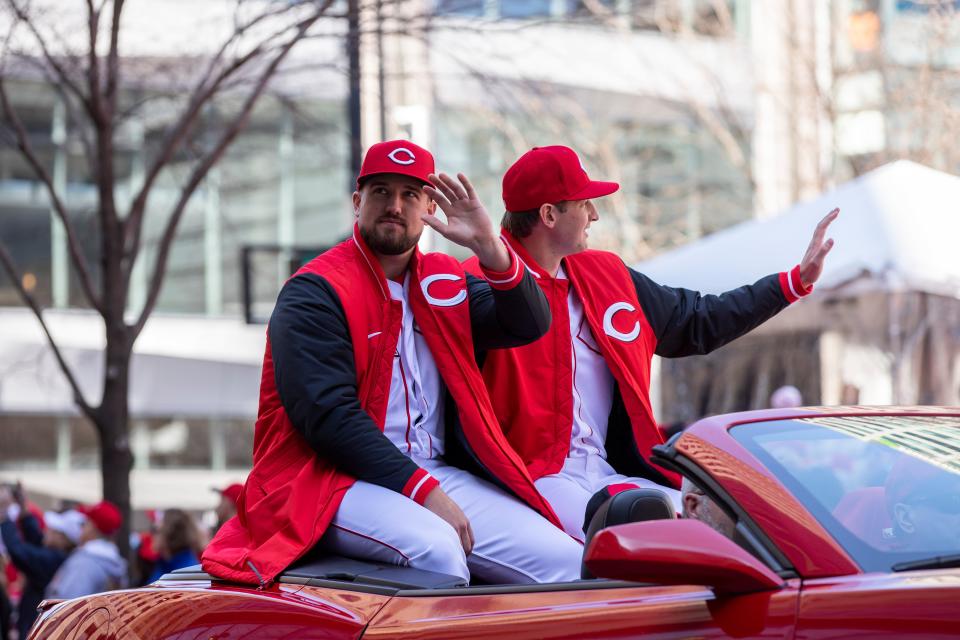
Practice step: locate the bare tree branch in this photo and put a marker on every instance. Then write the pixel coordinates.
(113, 57)
(8, 266)
(74, 122)
(28, 153)
(200, 172)
(240, 29)
(93, 65)
(202, 93)
(62, 74)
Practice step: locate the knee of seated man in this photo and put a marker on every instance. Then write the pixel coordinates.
(554, 553)
(561, 550)
(440, 550)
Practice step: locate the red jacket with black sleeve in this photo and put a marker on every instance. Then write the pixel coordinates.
(325, 387)
(631, 318)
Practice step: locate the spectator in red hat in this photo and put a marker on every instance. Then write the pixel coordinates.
(575, 404)
(96, 565)
(227, 507)
(370, 355)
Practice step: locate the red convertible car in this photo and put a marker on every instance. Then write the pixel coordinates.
(843, 522)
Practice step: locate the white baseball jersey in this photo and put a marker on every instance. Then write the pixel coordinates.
(414, 420)
(592, 384)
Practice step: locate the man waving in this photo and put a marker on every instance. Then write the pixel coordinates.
(370, 356)
(575, 404)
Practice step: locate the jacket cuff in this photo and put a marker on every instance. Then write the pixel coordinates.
(419, 486)
(508, 279)
(791, 286)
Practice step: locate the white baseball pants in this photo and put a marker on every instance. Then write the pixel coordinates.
(512, 542)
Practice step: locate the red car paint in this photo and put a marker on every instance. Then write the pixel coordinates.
(825, 595)
(678, 552)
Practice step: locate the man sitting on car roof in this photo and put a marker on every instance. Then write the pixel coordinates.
(576, 404)
(365, 344)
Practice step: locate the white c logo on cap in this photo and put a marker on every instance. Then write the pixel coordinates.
(608, 322)
(442, 302)
(410, 157)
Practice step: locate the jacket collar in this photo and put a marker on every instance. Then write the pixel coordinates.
(374, 265)
(524, 256)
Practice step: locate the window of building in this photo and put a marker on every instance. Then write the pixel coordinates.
(926, 6)
(461, 7)
(525, 8)
(26, 236)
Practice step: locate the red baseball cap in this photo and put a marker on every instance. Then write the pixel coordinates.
(232, 492)
(548, 175)
(397, 156)
(104, 515)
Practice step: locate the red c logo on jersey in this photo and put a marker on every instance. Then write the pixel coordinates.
(608, 328)
(395, 156)
(452, 301)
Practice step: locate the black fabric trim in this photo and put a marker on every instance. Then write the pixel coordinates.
(317, 383)
(622, 451)
(688, 323)
(505, 318)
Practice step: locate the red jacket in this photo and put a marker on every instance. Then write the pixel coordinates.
(292, 493)
(631, 319)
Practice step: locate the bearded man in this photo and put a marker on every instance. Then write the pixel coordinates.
(369, 378)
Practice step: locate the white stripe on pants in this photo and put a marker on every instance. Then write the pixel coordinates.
(513, 543)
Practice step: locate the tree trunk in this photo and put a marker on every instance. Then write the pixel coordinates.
(116, 459)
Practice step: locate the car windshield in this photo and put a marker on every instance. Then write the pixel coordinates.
(886, 487)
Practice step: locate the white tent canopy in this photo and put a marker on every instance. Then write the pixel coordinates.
(182, 365)
(899, 225)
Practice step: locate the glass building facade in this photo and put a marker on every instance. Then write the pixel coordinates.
(285, 183)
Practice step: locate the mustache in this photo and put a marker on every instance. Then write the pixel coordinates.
(389, 218)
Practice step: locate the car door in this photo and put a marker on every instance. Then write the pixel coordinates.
(916, 604)
(604, 609)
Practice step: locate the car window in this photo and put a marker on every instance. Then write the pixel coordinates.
(886, 487)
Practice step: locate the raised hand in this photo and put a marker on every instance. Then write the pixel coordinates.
(468, 223)
(812, 264)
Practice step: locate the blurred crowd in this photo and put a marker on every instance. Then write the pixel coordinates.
(72, 551)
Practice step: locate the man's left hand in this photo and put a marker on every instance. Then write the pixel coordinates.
(468, 223)
(812, 264)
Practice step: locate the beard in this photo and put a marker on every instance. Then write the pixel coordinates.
(388, 239)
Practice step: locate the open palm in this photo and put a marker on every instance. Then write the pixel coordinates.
(812, 264)
(468, 223)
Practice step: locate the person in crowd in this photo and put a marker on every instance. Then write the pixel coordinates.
(786, 397)
(699, 506)
(576, 403)
(143, 543)
(227, 507)
(96, 564)
(370, 379)
(178, 543)
(37, 555)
